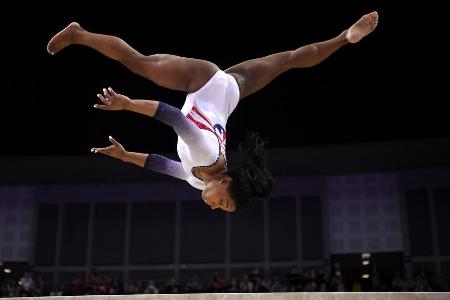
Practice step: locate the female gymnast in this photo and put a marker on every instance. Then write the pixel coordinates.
(212, 96)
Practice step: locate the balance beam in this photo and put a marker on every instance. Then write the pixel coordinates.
(261, 296)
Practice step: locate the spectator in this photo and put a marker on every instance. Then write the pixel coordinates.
(151, 288)
(276, 285)
(234, 286)
(294, 280)
(171, 286)
(27, 284)
(246, 286)
(217, 284)
(194, 285)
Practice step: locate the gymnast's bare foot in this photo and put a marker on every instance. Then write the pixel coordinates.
(63, 38)
(362, 27)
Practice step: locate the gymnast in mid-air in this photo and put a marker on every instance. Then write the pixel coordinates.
(212, 95)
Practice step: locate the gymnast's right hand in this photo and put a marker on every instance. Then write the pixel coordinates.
(112, 101)
(115, 150)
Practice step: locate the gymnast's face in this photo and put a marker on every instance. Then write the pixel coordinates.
(216, 194)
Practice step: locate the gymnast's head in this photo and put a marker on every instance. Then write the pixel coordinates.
(238, 187)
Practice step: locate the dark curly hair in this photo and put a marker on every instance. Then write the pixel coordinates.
(251, 179)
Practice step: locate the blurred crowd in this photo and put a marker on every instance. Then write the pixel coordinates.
(327, 279)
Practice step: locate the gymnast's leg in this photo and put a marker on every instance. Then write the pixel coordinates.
(253, 75)
(169, 71)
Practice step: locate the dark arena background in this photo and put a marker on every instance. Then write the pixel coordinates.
(359, 147)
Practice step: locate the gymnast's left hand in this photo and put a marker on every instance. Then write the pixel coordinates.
(112, 100)
(115, 150)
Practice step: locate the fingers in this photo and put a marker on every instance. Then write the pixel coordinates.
(104, 107)
(104, 150)
(100, 150)
(106, 98)
(113, 141)
(103, 99)
(110, 90)
(107, 150)
(108, 93)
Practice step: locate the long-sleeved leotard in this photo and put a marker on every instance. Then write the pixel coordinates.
(200, 127)
(187, 131)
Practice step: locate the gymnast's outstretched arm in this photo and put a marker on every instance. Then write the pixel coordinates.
(161, 111)
(153, 162)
